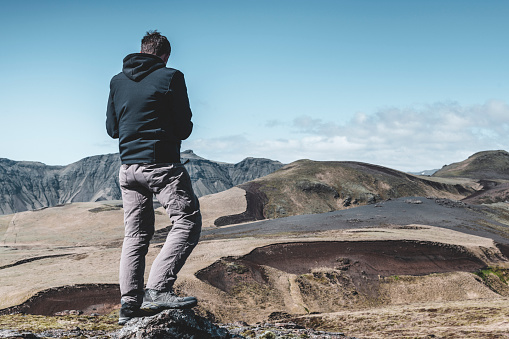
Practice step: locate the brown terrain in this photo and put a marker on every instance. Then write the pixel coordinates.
(337, 246)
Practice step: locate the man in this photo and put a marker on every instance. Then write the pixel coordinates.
(148, 111)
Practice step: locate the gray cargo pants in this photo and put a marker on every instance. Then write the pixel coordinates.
(171, 185)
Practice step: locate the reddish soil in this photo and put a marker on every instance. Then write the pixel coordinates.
(363, 261)
(89, 299)
(380, 257)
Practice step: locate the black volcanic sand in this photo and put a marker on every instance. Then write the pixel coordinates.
(364, 261)
(457, 216)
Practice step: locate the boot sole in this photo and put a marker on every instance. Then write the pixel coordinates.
(160, 306)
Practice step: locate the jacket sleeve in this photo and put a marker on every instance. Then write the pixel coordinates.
(111, 117)
(182, 111)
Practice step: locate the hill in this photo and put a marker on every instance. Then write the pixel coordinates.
(490, 169)
(492, 165)
(306, 186)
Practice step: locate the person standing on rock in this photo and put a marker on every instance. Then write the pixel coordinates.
(148, 111)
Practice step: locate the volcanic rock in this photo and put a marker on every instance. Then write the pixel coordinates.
(172, 324)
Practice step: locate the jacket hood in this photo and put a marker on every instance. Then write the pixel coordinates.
(139, 65)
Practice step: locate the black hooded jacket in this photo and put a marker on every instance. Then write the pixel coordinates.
(148, 110)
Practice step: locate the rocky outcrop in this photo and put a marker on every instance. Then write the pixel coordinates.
(172, 324)
(185, 324)
(32, 185)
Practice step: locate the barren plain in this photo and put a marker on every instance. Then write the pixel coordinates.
(400, 268)
(355, 255)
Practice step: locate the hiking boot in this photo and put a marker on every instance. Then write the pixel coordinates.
(168, 299)
(129, 311)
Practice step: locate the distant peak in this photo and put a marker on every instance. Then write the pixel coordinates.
(189, 154)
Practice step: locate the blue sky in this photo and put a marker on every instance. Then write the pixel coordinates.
(410, 85)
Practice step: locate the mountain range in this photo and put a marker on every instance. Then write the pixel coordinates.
(28, 185)
(314, 186)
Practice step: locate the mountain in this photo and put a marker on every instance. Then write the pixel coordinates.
(481, 165)
(210, 177)
(425, 172)
(32, 185)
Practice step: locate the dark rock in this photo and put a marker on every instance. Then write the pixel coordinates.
(16, 334)
(279, 316)
(372, 198)
(289, 325)
(172, 324)
(317, 187)
(450, 203)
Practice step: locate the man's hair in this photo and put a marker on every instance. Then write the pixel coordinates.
(155, 43)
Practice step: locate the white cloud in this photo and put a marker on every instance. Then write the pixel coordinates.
(413, 138)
